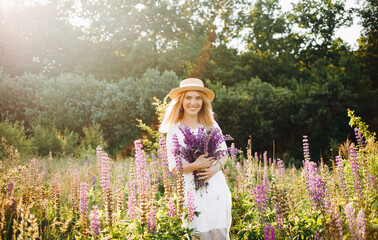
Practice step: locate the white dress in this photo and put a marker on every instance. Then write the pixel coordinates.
(214, 205)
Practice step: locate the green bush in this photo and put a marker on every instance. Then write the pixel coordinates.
(70, 143)
(13, 134)
(47, 139)
(93, 137)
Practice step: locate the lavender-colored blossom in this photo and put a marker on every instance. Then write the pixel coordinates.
(191, 205)
(95, 222)
(315, 186)
(261, 201)
(349, 213)
(131, 202)
(205, 141)
(361, 227)
(341, 175)
(171, 208)
(359, 137)
(356, 172)
(152, 221)
(280, 171)
(269, 232)
(83, 204)
(10, 187)
(94, 182)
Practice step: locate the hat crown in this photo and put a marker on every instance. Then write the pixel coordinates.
(191, 82)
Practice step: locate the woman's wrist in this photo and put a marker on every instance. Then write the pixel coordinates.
(220, 164)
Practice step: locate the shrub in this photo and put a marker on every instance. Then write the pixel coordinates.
(47, 139)
(13, 134)
(93, 137)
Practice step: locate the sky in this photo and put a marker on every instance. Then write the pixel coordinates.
(350, 34)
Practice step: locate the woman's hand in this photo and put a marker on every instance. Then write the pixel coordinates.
(202, 162)
(207, 173)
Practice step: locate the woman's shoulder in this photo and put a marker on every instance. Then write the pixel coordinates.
(174, 129)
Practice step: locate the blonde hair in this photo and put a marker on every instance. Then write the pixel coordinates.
(174, 112)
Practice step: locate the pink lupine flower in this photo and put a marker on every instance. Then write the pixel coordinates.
(171, 208)
(152, 221)
(191, 205)
(95, 222)
(83, 204)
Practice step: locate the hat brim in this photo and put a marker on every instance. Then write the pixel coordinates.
(176, 91)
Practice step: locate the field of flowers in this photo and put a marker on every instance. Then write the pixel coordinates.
(138, 198)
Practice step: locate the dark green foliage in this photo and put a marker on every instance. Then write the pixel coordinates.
(46, 140)
(13, 134)
(255, 108)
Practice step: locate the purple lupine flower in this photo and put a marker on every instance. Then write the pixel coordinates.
(356, 172)
(279, 217)
(265, 157)
(361, 227)
(94, 182)
(152, 221)
(233, 151)
(205, 141)
(306, 149)
(95, 222)
(83, 204)
(352, 223)
(359, 137)
(261, 202)
(269, 232)
(191, 205)
(171, 208)
(341, 175)
(315, 185)
(256, 157)
(10, 187)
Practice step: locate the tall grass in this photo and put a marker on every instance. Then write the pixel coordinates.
(137, 198)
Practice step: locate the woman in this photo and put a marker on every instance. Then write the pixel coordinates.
(191, 106)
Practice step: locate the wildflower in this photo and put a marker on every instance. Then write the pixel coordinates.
(171, 207)
(261, 201)
(94, 222)
(361, 227)
(335, 226)
(349, 212)
(306, 149)
(359, 137)
(269, 232)
(162, 153)
(315, 185)
(356, 173)
(152, 220)
(280, 172)
(191, 206)
(180, 177)
(83, 199)
(205, 141)
(233, 151)
(341, 175)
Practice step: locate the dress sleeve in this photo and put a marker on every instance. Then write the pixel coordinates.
(171, 158)
(223, 145)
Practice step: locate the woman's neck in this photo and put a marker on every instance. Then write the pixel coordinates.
(191, 121)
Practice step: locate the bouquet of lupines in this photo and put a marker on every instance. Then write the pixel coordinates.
(205, 141)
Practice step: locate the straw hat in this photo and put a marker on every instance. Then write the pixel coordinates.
(192, 84)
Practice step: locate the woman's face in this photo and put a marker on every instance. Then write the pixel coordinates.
(192, 103)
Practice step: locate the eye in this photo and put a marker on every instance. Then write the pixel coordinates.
(198, 98)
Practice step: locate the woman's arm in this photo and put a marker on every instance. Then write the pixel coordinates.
(202, 162)
(207, 173)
